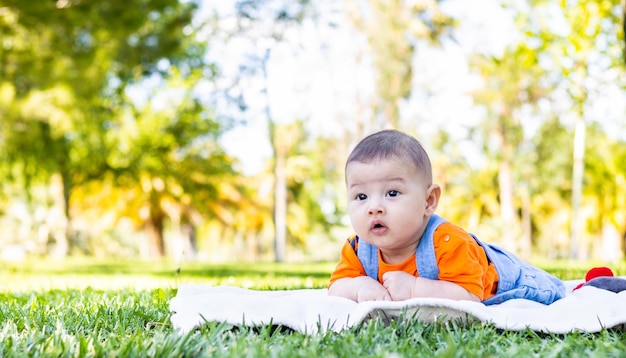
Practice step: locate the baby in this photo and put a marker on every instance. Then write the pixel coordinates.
(402, 249)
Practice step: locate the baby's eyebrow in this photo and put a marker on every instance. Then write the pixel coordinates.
(357, 182)
(395, 180)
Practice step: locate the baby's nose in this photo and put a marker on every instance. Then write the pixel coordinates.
(376, 207)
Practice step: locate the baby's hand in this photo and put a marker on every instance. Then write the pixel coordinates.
(372, 290)
(399, 284)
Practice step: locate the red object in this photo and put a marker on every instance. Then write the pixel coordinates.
(595, 272)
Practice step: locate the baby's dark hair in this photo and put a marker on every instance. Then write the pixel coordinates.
(391, 143)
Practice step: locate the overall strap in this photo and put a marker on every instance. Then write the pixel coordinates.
(425, 258)
(368, 255)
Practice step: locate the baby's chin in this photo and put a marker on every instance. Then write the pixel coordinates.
(381, 241)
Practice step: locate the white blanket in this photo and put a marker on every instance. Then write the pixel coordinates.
(587, 309)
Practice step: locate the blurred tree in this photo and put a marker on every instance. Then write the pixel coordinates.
(469, 194)
(392, 28)
(166, 153)
(550, 185)
(624, 30)
(246, 209)
(512, 85)
(308, 174)
(592, 30)
(266, 22)
(64, 66)
(605, 191)
(548, 62)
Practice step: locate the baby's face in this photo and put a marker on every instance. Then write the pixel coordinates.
(387, 203)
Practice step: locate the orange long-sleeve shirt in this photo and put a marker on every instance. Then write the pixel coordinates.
(460, 259)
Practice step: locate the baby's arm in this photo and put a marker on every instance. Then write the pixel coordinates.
(402, 286)
(361, 288)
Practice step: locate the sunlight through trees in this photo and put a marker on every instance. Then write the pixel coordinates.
(113, 119)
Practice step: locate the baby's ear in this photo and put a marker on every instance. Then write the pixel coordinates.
(432, 198)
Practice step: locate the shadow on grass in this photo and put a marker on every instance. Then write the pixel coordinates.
(166, 268)
(250, 270)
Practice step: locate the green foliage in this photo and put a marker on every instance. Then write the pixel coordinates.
(89, 321)
(392, 29)
(84, 154)
(65, 71)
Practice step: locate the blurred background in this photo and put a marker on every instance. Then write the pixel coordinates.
(218, 130)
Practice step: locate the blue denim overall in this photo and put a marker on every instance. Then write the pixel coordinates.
(517, 279)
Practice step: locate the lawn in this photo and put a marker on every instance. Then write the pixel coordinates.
(120, 309)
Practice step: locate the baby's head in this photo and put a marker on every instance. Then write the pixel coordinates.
(393, 144)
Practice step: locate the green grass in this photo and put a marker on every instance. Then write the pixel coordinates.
(120, 309)
(119, 274)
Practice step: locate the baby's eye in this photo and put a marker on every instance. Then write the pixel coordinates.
(393, 193)
(361, 197)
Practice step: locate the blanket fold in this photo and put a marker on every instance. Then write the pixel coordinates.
(587, 309)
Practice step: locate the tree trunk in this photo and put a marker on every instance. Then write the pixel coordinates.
(183, 231)
(578, 249)
(58, 217)
(577, 223)
(611, 243)
(154, 234)
(525, 247)
(280, 205)
(280, 176)
(505, 186)
(189, 237)
(624, 28)
(153, 226)
(507, 209)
